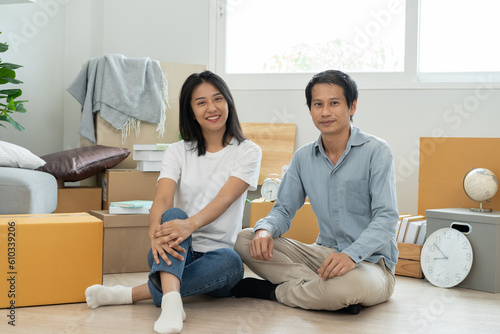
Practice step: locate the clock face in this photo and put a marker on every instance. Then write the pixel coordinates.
(269, 190)
(446, 257)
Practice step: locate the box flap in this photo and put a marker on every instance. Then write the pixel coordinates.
(53, 218)
(113, 221)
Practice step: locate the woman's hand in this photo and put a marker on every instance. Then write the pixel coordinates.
(173, 232)
(159, 250)
(167, 237)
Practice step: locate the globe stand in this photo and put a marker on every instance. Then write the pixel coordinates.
(480, 185)
(480, 209)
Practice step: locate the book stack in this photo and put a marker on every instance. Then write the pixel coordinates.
(149, 156)
(410, 235)
(411, 229)
(130, 207)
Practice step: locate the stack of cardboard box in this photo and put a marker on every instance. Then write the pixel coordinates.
(126, 237)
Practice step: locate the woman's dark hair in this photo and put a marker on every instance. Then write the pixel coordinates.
(333, 77)
(188, 126)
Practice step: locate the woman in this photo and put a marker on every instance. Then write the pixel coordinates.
(198, 207)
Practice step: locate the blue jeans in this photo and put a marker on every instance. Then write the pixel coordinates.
(213, 273)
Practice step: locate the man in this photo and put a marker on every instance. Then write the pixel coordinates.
(349, 179)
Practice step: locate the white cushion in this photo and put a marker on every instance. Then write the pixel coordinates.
(12, 155)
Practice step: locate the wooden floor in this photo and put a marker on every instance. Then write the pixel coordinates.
(415, 307)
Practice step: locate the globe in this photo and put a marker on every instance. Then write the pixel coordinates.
(480, 185)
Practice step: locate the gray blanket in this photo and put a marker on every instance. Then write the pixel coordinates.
(126, 91)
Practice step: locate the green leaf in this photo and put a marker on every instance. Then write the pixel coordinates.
(20, 108)
(4, 80)
(9, 119)
(11, 92)
(8, 75)
(11, 105)
(6, 72)
(3, 47)
(10, 66)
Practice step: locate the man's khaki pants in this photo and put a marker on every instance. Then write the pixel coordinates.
(294, 267)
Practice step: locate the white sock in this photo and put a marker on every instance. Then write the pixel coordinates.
(172, 314)
(99, 295)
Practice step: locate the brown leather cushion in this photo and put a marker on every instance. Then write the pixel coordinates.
(83, 162)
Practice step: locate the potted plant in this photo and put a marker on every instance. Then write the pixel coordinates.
(10, 105)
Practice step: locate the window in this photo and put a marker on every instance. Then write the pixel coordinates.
(277, 44)
(464, 40)
(293, 36)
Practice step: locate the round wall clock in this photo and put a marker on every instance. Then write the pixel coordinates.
(446, 257)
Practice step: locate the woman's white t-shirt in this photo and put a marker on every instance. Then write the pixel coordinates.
(199, 179)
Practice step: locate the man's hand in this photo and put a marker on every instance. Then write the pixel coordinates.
(261, 246)
(336, 264)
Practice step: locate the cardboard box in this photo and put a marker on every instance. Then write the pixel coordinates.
(127, 185)
(78, 199)
(304, 225)
(443, 165)
(107, 135)
(483, 232)
(126, 242)
(49, 258)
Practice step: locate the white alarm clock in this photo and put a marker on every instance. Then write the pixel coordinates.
(446, 257)
(269, 189)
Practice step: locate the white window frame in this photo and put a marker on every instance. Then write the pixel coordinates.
(409, 79)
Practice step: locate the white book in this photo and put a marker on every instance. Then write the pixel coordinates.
(133, 204)
(149, 166)
(404, 225)
(421, 234)
(412, 231)
(398, 225)
(151, 147)
(148, 155)
(118, 210)
(134, 207)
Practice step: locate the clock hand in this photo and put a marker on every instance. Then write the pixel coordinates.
(440, 258)
(441, 251)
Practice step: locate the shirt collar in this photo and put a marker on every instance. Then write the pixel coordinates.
(357, 138)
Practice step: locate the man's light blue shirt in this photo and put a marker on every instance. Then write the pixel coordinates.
(353, 200)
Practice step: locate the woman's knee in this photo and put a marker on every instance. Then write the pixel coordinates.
(173, 213)
(228, 258)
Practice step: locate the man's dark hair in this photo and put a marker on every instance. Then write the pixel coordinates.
(188, 126)
(333, 77)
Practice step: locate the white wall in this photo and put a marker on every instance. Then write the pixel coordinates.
(177, 31)
(35, 34)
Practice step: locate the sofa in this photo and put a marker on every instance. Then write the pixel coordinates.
(26, 191)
